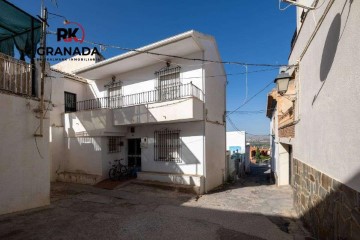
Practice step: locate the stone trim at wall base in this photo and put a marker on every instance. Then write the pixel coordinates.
(329, 209)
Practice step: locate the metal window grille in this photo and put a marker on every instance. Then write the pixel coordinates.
(114, 144)
(70, 102)
(167, 80)
(167, 146)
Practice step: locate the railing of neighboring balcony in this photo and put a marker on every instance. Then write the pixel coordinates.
(15, 76)
(159, 95)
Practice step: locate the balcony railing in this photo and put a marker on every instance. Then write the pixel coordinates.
(159, 95)
(15, 75)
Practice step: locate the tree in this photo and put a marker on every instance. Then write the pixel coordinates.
(257, 154)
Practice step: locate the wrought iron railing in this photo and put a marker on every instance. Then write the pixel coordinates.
(158, 95)
(15, 75)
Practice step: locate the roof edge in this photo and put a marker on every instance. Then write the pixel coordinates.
(192, 33)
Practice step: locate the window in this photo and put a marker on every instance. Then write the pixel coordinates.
(167, 146)
(114, 144)
(70, 102)
(168, 82)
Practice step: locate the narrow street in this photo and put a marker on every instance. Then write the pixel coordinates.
(251, 208)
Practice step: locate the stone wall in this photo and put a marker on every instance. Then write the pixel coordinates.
(329, 209)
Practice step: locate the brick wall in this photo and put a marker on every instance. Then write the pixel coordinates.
(329, 209)
(287, 131)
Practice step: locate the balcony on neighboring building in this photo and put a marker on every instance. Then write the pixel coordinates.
(15, 76)
(176, 103)
(287, 123)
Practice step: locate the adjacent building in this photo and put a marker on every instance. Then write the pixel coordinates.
(24, 152)
(316, 120)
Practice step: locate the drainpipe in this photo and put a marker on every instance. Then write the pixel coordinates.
(204, 116)
(43, 66)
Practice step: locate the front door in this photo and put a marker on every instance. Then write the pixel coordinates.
(134, 153)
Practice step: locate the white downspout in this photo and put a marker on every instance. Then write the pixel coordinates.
(204, 116)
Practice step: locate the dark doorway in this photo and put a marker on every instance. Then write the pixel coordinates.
(134, 152)
(291, 177)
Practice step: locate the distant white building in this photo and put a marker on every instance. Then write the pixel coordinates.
(235, 141)
(158, 113)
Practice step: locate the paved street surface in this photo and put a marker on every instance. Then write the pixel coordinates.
(251, 208)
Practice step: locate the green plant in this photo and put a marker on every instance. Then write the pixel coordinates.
(257, 154)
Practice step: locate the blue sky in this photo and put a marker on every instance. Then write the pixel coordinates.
(245, 30)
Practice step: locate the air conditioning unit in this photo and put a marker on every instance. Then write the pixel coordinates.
(307, 4)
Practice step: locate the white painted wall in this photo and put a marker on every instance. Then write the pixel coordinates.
(274, 144)
(24, 174)
(327, 134)
(215, 155)
(236, 139)
(144, 79)
(77, 62)
(283, 165)
(58, 144)
(215, 107)
(186, 109)
(191, 135)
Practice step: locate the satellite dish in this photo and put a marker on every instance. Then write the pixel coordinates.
(307, 4)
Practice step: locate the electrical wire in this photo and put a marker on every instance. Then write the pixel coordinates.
(187, 58)
(46, 110)
(264, 88)
(247, 133)
(283, 9)
(180, 57)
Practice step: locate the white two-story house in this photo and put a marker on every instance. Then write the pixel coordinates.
(163, 114)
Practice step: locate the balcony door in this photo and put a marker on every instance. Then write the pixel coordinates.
(70, 102)
(169, 83)
(115, 95)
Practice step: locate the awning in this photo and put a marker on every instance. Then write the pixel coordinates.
(18, 28)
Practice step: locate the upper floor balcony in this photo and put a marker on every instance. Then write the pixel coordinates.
(15, 76)
(176, 103)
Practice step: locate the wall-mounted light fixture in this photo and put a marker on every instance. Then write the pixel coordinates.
(282, 82)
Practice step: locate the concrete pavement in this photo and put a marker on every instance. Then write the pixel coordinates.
(247, 209)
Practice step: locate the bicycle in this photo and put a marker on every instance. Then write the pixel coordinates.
(118, 170)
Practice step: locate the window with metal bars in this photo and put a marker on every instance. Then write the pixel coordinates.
(167, 146)
(70, 102)
(168, 82)
(114, 144)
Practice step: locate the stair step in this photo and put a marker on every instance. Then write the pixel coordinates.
(169, 186)
(82, 178)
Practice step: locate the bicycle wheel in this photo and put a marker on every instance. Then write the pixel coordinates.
(112, 174)
(123, 171)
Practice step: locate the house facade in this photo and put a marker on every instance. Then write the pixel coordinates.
(311, 139)
(161, 114)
